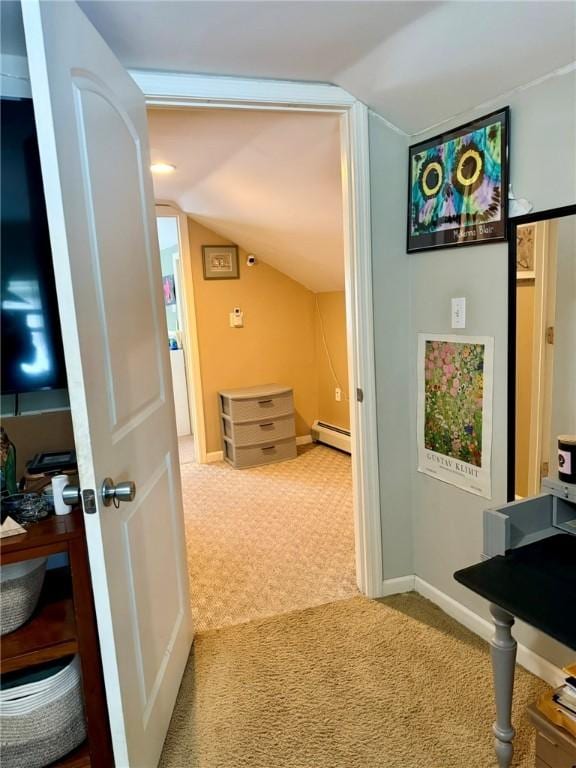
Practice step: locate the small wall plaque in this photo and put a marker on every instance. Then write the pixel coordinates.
(220, 262)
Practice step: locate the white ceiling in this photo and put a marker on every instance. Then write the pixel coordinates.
(268, 181)
(416, 63)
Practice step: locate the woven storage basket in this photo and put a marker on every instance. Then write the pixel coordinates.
(21, 584)
(42, 721)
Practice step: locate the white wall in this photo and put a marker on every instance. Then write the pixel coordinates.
(430, 528)
(447, 522)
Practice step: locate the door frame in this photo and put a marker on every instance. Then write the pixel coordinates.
(163, 89)
(169, 209)
(513, 224)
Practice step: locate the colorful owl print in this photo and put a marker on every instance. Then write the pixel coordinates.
(458, 184)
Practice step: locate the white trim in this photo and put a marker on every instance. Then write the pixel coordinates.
(485, 629)
(303, 439)
(397, 586)
(190, 336)
(174, 88)
(177, 89)
(360, 337)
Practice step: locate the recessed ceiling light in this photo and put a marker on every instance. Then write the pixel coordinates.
(162, 168)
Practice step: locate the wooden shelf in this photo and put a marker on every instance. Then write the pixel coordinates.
(51, 632)
(63, 624)
(79, 758)
(43, 538)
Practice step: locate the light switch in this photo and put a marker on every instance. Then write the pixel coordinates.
(459, 313)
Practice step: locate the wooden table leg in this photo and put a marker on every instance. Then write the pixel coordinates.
(503, 652)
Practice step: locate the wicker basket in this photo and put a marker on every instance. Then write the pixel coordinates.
(43, 720)
(21, 584)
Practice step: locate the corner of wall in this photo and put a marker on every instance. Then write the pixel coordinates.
(390, 279)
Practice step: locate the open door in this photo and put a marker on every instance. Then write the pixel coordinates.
(92, 134)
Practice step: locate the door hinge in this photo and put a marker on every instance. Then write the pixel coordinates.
(360, 395)
(544, 469)
(550, 334)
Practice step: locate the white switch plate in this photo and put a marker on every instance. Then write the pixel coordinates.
(459, 313)
(237, 318)
(338, 394)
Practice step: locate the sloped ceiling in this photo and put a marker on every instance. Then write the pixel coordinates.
(268, 181)
(415, 63)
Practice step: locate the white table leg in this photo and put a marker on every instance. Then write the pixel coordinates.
(503, 652)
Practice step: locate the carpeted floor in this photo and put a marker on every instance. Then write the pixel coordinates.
(268, 540)
(355, 684)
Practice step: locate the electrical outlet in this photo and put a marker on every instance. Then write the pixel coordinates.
(338, 394)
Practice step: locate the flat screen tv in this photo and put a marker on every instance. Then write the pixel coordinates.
(32, 355)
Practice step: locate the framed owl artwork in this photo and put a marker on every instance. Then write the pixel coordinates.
(458, 185)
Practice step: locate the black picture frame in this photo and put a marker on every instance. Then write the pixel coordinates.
(472, 233)
(513, 224)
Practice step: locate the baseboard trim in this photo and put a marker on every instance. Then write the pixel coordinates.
(397, 586)
(484, 628)
(303, 439)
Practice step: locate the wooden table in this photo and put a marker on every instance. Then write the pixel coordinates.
(537, 584)
(63, 624)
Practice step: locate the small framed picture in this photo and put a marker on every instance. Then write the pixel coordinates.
(169, 290)
(525, 252)
(220, 262)
(458, 185)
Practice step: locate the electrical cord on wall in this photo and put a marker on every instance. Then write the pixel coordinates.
(325, 343)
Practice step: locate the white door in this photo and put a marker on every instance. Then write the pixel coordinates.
(93, 141)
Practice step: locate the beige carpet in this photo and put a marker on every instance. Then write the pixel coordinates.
(268, 540)
(354, 684)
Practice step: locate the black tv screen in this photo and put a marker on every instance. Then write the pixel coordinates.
(32, 355)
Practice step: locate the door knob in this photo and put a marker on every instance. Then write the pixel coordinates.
(71, 495)
(116, 493)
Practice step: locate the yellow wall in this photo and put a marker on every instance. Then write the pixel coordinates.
(524, 354)
(276, 345)
(331, 310)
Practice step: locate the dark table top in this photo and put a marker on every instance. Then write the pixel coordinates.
(535, 583)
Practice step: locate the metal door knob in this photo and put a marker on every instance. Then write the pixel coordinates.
(116, 493)
(71, 495)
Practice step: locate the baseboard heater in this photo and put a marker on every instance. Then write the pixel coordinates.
(328, 434)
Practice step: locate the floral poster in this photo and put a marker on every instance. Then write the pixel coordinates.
(455, 410)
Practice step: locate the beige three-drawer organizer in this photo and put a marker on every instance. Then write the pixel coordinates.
(258, 425)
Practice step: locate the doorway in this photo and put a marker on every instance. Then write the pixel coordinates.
(280, 537)
(182, 336)
(194, 91)
(541, 394)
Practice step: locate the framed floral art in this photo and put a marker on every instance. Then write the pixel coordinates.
(455, 410)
